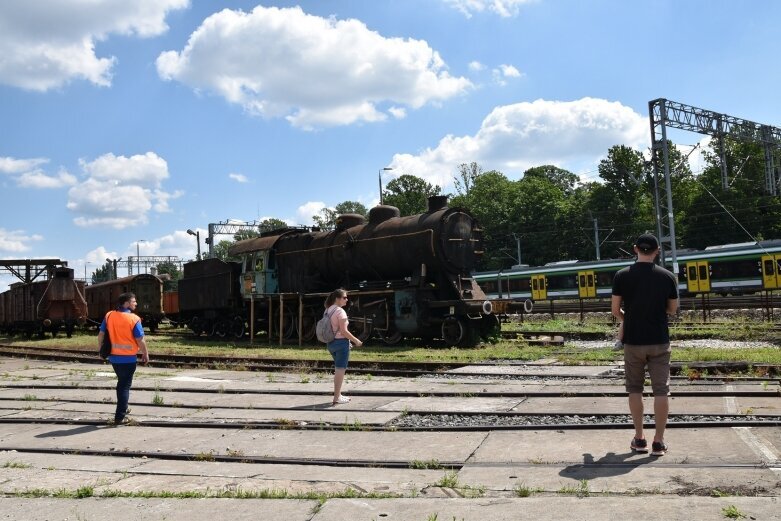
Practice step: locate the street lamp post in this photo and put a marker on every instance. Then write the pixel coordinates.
(85, 271)
(379, 176)
(197, 241)
(138, 254)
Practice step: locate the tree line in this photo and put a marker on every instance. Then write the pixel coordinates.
(552, 213)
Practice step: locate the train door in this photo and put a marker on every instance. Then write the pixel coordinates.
(539, 287)
(697, 277)
(587, 284)
(771, 278)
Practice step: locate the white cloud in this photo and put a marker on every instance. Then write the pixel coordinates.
(515, 137)
(476, 66)
(239, 178)
(28, 174)
(504, 8)
(505, 71)
(120, 191)
(398, 112)
(16, 241)
(47, 43)
(308, 210)
(10, 165)
(38, 179)
(313, 71)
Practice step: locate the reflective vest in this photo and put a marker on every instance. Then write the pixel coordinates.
(120, 329)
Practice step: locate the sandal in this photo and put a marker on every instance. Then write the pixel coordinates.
(341, 399)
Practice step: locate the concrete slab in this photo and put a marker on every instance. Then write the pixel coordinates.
(336, 445)
(25, 480)
(329, 415)
(619, 405)
(717, 446)
(144, 509)
(70, 461)
(644, 475)
(545, 370)
(454, 404)
(558, 508)
(59, 394)
(758, 405)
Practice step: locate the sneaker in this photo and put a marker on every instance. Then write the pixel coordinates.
(341, 399)
(639, 445)
(658, 448)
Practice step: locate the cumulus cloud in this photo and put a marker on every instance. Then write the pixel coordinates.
(308, 210)
(120, 191)
(515, 137)
(504, 8)
(239, 178)
(313, 71)
(28, 173)
(16, 241)
(47, 43)
(505, 71)
(476, 66)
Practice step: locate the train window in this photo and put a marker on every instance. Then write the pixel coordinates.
(605, 279)
(590, 280)
(259, 262)
(703, 272)
(582, 282)
(520, 284)
(489, 286)
(534, 285)
(770, 267)
(692, 272)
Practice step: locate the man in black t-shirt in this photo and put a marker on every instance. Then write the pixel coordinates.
(647, 293)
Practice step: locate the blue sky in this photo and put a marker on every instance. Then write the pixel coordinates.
(127, 121)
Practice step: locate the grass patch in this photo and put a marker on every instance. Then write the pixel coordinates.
(425, 464)
(16, 465)
(732, 512)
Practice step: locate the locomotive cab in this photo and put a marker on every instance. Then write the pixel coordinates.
(260, 274)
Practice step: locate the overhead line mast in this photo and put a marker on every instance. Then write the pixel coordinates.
(664, 113)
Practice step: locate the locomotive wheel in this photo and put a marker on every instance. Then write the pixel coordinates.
(458, 332)
(390, 336)
(221, 327)
(237, 327)
(490, 328)
(195, 326)
(288, 326)
(309, 325)
(361, 330)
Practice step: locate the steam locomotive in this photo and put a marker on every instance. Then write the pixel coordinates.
(407, 277)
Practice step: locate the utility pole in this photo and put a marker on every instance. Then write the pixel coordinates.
(596, 238)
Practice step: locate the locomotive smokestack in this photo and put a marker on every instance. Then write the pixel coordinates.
(436, 202)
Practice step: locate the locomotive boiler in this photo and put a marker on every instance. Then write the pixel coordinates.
(407, 276)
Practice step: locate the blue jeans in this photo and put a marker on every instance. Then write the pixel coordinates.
(340, 352)
(124, 374)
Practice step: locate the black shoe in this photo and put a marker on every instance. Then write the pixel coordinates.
(658, 448)
(639, 445)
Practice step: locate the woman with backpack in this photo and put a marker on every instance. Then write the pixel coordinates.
(340, 346)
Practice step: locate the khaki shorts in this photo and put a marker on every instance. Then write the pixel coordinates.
(657, 358)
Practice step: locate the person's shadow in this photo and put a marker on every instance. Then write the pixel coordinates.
(69, 432)
(611, 464)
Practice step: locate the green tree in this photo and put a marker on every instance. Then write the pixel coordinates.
(220, 251)
(271, 224)
(492, 200)
(563, 179)
(465, 179)
(744, 209)
(409, 194)
(327, 218)
(103, 273)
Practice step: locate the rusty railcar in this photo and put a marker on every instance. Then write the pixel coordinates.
(210, 301)
(148, 289)
(407, 276)
(45, 306)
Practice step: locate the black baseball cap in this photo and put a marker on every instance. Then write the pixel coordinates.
(647, 243)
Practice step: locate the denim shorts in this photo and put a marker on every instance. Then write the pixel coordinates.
(340, 351)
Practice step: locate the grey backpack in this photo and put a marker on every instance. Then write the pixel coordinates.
(323, 329)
